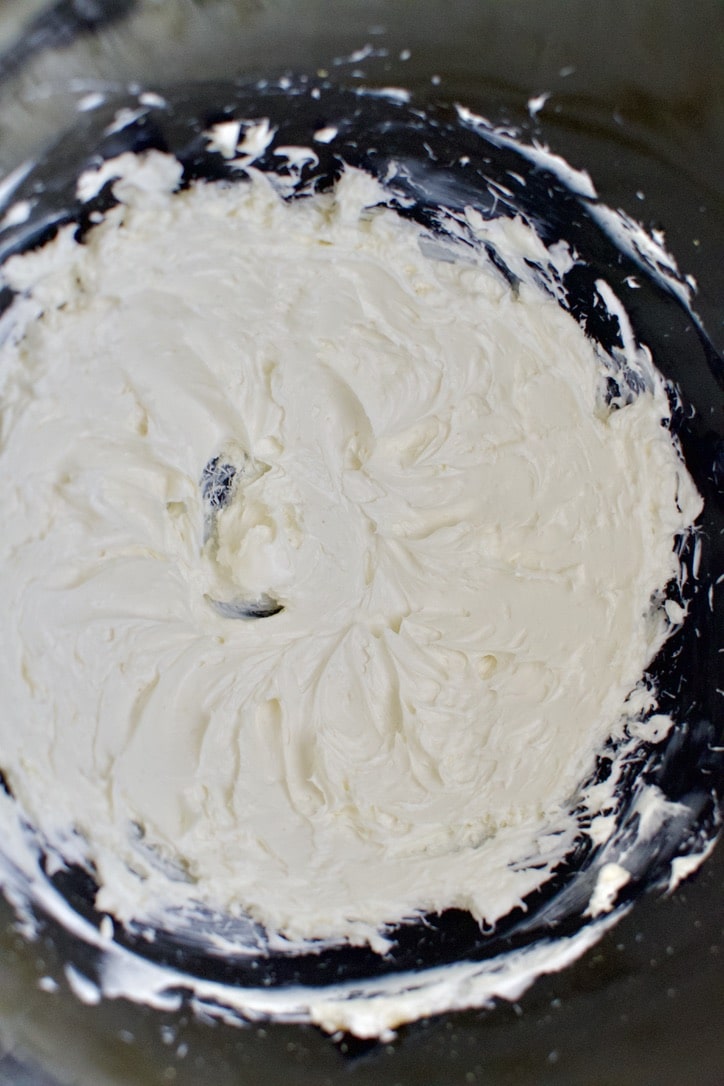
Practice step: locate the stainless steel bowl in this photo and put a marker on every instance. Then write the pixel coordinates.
(645, 129)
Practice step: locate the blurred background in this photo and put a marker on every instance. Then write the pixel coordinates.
(631, 92)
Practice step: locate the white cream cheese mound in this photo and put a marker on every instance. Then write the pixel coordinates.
(325, 571)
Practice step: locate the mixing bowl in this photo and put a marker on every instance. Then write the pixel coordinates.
(71, 74)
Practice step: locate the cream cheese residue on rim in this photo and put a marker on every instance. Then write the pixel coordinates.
(222, 405)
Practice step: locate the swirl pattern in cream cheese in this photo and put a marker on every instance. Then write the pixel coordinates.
(366, 676)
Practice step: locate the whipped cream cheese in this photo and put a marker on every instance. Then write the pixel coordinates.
(327, 569)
